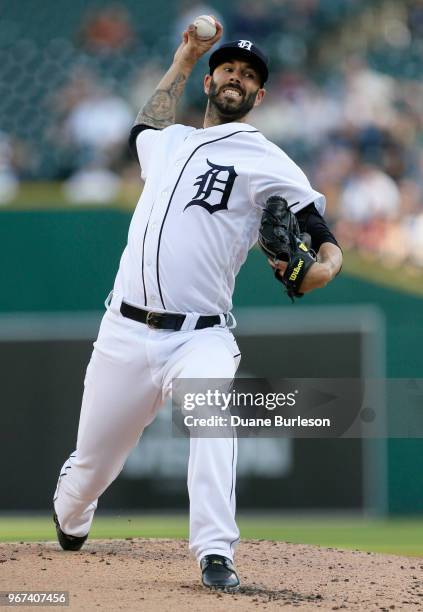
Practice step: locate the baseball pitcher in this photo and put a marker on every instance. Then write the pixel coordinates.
(210, 194)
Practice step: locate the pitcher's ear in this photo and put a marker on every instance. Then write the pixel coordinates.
(207, 81)
(260, 95)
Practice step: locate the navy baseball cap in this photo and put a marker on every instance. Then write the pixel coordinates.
(243, 50)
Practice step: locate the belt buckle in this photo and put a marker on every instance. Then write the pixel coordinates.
(153, 320)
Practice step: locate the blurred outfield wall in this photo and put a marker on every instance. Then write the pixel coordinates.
(66, 261)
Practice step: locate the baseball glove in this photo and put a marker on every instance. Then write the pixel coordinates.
(281, 240)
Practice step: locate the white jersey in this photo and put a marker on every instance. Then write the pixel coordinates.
(200, 212)
(197, 218)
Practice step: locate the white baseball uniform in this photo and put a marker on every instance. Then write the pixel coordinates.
(198, 216)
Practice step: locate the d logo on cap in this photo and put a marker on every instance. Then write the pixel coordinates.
(244, 50)
(245, 44)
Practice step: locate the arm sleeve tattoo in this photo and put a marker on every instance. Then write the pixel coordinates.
(160, 110)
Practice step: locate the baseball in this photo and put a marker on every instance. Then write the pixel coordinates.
(205, 26)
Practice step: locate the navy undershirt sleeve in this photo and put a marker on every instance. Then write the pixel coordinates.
(137, 129)
(312, 222)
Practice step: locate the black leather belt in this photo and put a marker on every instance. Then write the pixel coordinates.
(164, 320)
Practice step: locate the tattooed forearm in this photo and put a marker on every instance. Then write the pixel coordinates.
(160, 110)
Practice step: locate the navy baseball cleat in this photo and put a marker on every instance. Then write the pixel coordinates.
(68, 542)
(218, 573)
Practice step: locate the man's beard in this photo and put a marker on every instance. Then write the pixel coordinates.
(226, 109)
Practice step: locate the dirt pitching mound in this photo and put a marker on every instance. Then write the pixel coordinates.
(140, 574)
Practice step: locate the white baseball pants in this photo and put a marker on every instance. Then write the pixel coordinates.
(128, 377)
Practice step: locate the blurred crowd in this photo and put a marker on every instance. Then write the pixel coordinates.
(345, 101)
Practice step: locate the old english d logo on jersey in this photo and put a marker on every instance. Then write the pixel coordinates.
(219, 179)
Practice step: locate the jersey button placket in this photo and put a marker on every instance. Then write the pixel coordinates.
(152, 240)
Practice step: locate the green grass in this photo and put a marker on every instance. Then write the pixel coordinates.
(42, 195)
(402, 277)
(395, 536)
